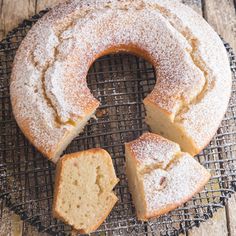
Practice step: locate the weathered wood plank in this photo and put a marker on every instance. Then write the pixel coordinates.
(16, 225)
(43, 4)
(1, 22)
(29, 230)
(13, 12)
(217, 226)
(10, 223)
(222, 16)
(231, 216)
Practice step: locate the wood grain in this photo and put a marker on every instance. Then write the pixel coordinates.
(12, 12)
(43, 4)
(231, 215)
(2, 30)
(217, 226)
(221, 16)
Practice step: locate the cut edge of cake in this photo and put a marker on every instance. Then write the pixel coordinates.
(158, 189)
(83, 196)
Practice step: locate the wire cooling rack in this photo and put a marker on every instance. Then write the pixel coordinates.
(120, 82)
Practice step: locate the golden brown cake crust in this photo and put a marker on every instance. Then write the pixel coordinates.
(49, 92)
(144, 150)
(153, 157)
(61, 164)
(171, 207)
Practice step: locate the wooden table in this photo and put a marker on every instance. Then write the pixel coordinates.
(221, 14)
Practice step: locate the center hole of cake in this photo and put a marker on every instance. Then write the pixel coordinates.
(120, 82)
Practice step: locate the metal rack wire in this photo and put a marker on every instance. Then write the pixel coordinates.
(120, 82)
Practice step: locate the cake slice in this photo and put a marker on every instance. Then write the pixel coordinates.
(83, 194)
(160, 176)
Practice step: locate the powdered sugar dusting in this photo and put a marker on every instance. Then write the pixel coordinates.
(59, 49)
(151, 149)
(182, 180)
(201, 118)
(166, 176)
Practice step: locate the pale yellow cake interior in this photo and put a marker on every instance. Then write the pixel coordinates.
(162, 123)
(85, 194)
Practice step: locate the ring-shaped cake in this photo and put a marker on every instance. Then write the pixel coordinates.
(50, 98)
